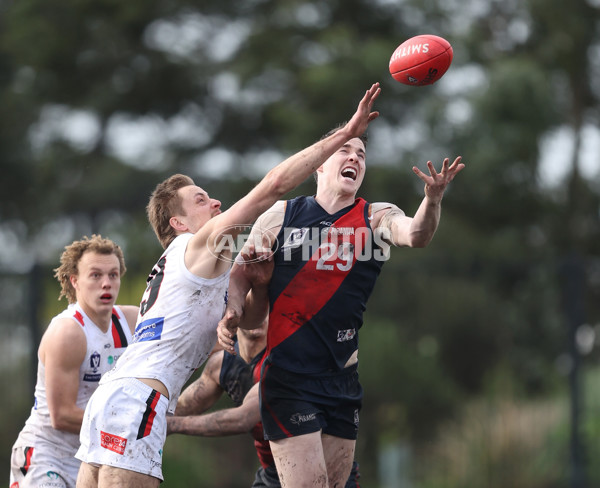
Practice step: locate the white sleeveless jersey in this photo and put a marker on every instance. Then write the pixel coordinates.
(103, 350)
(177, 324)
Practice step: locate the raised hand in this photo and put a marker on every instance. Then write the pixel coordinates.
(360, 120)
(436, 183)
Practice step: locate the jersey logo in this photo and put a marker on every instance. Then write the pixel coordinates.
(149, 330)
(346, 335)
(295, 238)
(94, 376)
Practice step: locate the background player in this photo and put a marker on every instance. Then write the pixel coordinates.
(79, 345)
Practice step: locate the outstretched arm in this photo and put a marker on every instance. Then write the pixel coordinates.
(283, 178)
(419, 230)
(229, 421)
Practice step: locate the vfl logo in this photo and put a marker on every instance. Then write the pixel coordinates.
(113, 442)
(94, 364)
(298, 418)
(346, 335)
(95, 361)
(295, 238)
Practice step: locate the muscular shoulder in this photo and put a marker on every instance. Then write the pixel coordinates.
(64, 337)
(380, 209)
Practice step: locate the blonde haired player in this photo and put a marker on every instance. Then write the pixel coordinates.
(80, 344)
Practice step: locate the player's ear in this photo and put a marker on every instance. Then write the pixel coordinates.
(177, 224)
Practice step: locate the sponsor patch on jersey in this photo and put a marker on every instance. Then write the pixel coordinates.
(92, 377)
(113, 442)
(149, 330)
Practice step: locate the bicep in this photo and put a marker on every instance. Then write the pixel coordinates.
(64, 352)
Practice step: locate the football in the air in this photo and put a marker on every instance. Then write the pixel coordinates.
(421, 60)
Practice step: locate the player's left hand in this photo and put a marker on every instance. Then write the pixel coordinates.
(436, 183)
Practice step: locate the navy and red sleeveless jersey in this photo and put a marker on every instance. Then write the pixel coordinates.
(325, 269)
(236, 378)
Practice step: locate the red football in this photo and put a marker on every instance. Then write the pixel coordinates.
(421, 60)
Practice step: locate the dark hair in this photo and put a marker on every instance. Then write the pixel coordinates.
(364, 137)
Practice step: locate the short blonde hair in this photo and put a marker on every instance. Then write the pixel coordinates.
(164, 203)
(69, 261)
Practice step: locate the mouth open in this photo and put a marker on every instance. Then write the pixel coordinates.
(349, 173)
(106, 296)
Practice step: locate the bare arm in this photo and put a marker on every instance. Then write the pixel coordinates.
(229, 421)
(205, 391)
(420, 229)
(279, 181)
(62, 352)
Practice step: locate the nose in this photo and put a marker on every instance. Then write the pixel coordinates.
(214, 203)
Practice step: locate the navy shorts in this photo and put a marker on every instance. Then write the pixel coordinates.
(294, 404)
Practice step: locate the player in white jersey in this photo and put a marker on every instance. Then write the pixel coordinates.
(176, 326)
(80, 344)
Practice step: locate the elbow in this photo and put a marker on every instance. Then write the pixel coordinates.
(59, 422)
(419, 241)
(277, 183)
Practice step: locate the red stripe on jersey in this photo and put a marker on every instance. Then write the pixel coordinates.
(315, 286)
(79, 318)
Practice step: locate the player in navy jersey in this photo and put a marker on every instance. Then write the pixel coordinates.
(237, 375)
(328, 252)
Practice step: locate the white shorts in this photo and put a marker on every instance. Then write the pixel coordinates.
(125, 426)
(42, 466)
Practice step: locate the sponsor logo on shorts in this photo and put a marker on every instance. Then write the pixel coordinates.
(53, 475)
(15, 485)
(113, 442)
(298, 418)
(356, 418)
(346, 335)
